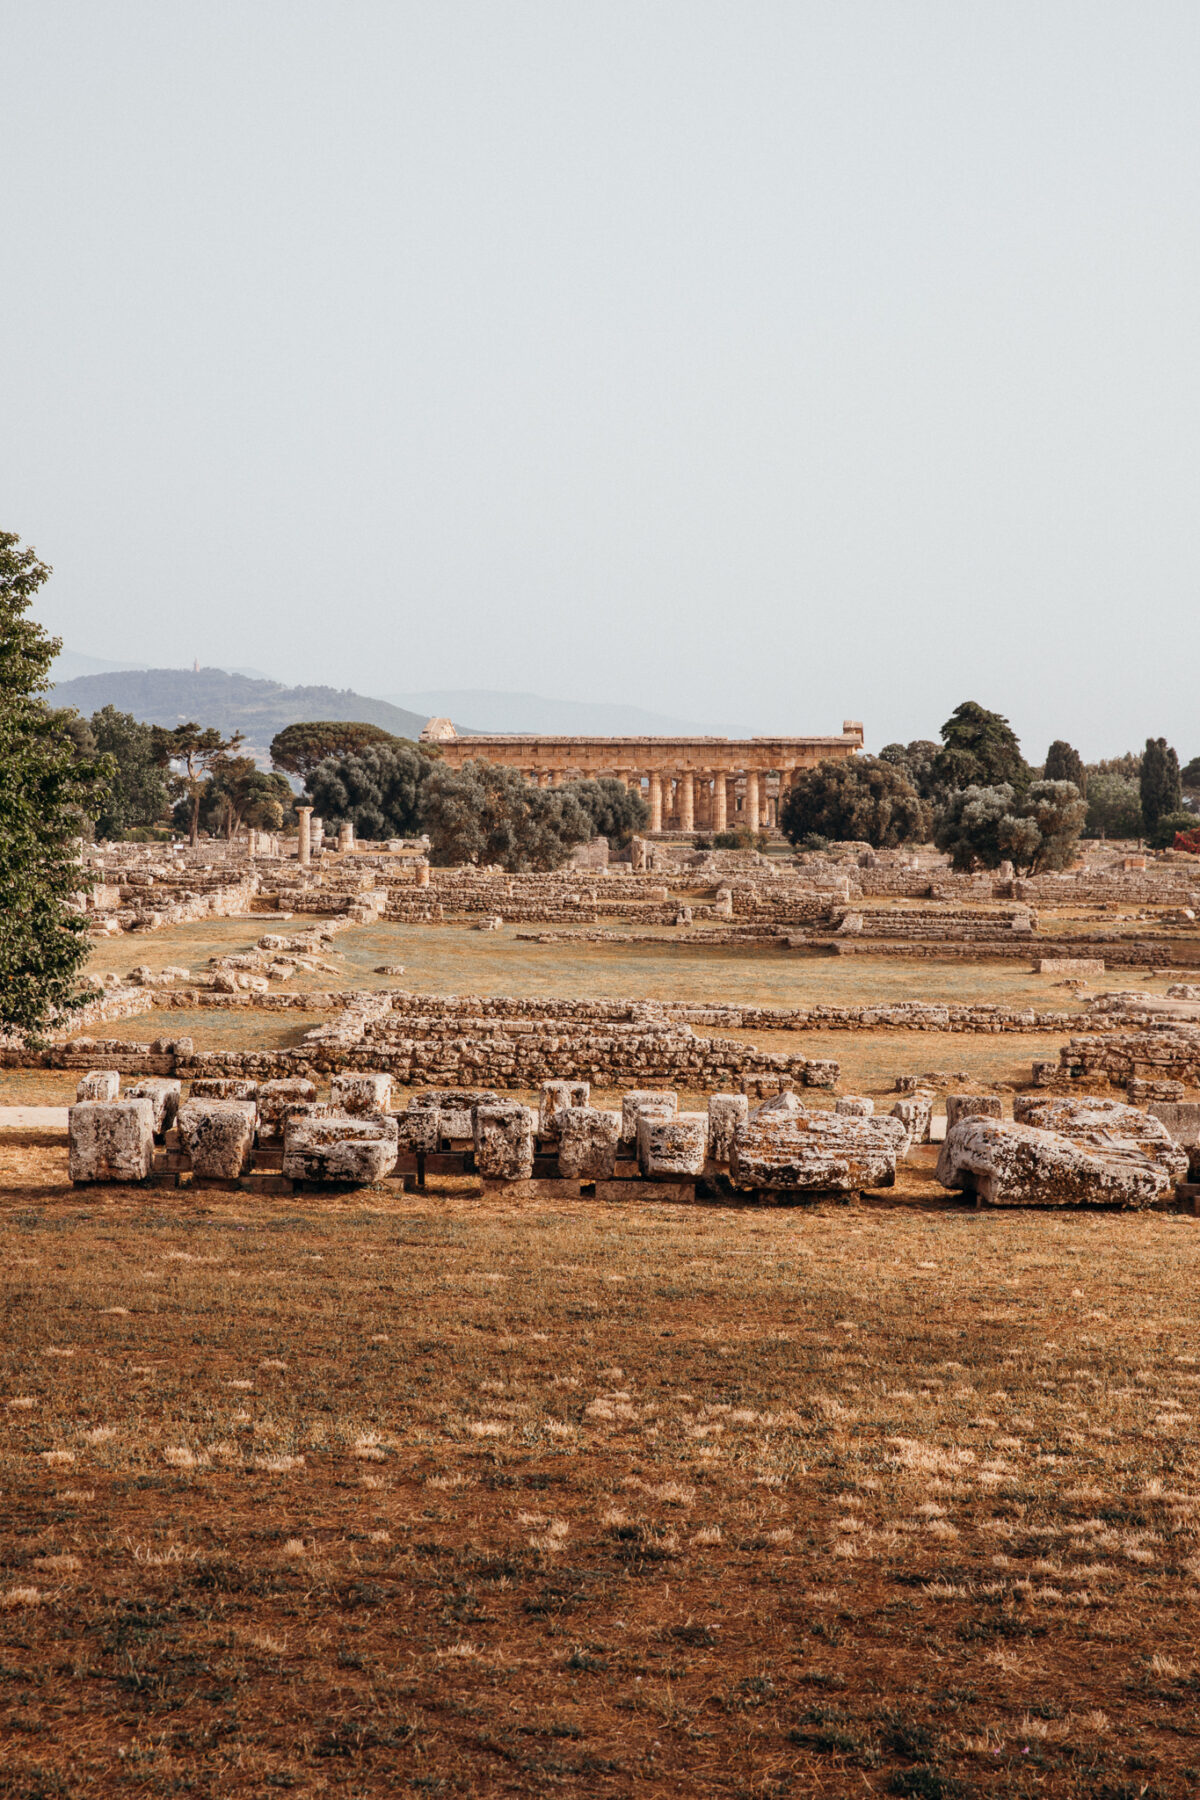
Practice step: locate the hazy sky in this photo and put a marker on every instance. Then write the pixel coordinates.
(765, 362)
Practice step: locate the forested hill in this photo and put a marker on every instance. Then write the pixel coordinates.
(258, 709)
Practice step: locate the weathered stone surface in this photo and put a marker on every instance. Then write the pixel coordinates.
(504, 1140)
(786, 1105)
(1182, 1119)
(669, 1148)
(223, 1087)
(854, 1106)
(972, 1106)
(110, 1140)
(419, 1130)
(455, 1107)
(915, 1113)
(1015, 1164)
(342, 1148)
(163, 1093)
(678, 1192)
(1084, 967)
(816, 1153)
(281, 1100)
(725, 1113)
(99, 1084)
(661, 1102)
(587, 1142)
(555, 1096)
(218, 1135)
(359, 1094)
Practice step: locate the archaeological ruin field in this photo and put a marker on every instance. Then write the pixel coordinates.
(462, 1418)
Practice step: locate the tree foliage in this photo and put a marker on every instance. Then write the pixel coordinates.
(1064, 763)
(47, 790)
(136, 793)
(615, 811)
(299, 748)
(981, 827)
(1114, 806)
(979, 749)
(1190, 776)
(483, 813)
(1160, 784)
(1168, 828)
(239, 793)
(377, 789)
(863, 798)
(192, 752)
(1128, 766)
(917, 763)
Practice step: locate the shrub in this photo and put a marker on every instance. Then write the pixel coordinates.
(981, 827)
(858, 797)
(1171, 826)
(378, 789)
(483, 813)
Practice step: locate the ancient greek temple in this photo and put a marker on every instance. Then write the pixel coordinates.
(689, 783)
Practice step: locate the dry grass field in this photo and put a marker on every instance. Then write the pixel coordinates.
(377, 1496)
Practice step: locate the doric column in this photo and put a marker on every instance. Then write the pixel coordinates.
(656, 801)
(304, 851)
(752, 816)
(720, 796)
(687, 802)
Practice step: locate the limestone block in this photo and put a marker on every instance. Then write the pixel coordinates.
(1182, 1119)
(673, 1147)
(780, 1106)
(111, 1140)
(725, 1113)
(972, 1106)
(1014, 1164)
(281, 1100)
(555, 1096)
(163, 1093)
(915, 1113)
(218, 1135)
(854, 1106)
(817, 1153)
(99, 1084)
(358, 1094)
(661, 1102)
(1081, 966)
(419, 1130)
(339, 1147)
(455, 1106)
(587, 1142)
(504, 1140)
(223, 1087)
(821, 1073)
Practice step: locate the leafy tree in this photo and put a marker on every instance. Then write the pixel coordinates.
(1190, 776)
(240, 793)
(916, 762)
(192, 754)
(299, 748)
(1063, 763)
(1128, 766)
(1167, 828)
(484, 813)
(1114, 806)
(981, 827)
(1161, 786)
(615, 811)
(377, 789)
(979, 749)
(137, 793)
(858, 797)
(46, 790)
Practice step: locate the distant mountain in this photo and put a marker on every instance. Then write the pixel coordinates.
(69, 664)
(258, 709)
(490, 711)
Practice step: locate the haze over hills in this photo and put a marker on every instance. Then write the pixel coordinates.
(492, 711)
(258, 709)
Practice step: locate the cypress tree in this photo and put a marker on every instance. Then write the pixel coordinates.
(1161, 788)
(1064, 763)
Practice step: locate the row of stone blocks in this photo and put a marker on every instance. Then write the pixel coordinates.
(1055, 1152)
